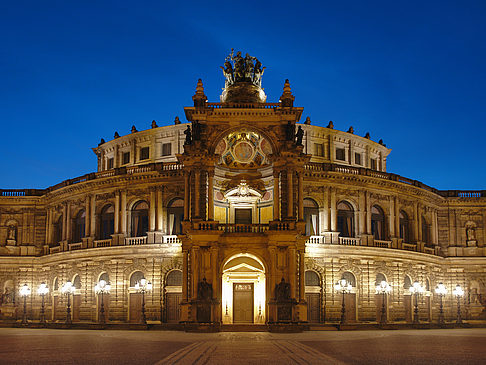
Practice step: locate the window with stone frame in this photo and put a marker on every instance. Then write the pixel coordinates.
(318, 149)
(166, 149)
(144, 153)
(373, 164)
(125, 158)
(340, 154)
(357, 158)
(109, 163)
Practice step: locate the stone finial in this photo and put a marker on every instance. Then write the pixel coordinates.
(287, 99)
(176, 120)
(199, 97)
(367, 135)
(116, 135)
(134, 130)
(351, 130)
(330, 125)
(381, 142)
(101, 141)
(154, 124)
(307, 121)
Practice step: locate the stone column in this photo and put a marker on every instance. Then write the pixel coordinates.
(368, 212)
(290, 193)
(273, 270)
(152, 210)
(434, 233)
(292, 272)
(160, 211)
(197, 185)
(301, 195)
(210, 196)
(117, 212)
(195, 270)
(325, 211)
(416, 233)
(49, 226)
(87, 216)
(301, 275)
(333, 210)
(186, 195)
(185, 289)
(362, 212)
(68, 222)
(123, 220)
(215, 273)
(391, 202)
(397, 216)
(276, 195)
(92, 213)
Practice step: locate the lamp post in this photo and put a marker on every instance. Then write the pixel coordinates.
(102, 288)
(344, 287)
(383, 288)
(458, 292)
(42, 290)
(416, 289)
(441, 291)
(142, 287)
(68, 289)
(24, 293)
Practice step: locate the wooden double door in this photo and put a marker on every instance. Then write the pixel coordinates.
(243, 302)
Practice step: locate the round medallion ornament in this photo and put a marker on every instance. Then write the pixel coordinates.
(243, 151)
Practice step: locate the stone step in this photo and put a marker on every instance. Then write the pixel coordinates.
(244, 328)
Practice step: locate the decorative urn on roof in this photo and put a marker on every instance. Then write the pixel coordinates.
(243, 79)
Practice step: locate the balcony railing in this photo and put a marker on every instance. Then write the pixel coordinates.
(75, 246)
(172, 240)
(102, 243)
(243, 228)
(382, 244)
(409, 246)
(134, 241)
(349, 241)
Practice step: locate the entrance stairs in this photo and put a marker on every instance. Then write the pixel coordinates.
(244, 327)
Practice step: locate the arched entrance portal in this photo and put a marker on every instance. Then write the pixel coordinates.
(243, 293)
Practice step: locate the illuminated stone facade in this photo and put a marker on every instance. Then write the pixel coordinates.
(243, 215)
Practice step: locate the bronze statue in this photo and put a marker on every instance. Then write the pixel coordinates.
(204, 290)
(244, 69)
(188, 134)
(299, 136)
(282, 291)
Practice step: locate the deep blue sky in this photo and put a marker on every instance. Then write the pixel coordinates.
(411, 72)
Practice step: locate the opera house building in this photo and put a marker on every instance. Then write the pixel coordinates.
(243, 215)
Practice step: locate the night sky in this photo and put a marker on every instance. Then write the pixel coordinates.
(412, 73)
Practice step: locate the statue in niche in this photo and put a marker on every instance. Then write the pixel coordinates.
(289, 131)
(188, 134)
(282, 291)
(470, 233)
(196, 130)
(204, 290)
(299, 136)
(6, 297)
(12, 233)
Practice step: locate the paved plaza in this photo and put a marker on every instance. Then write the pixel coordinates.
(48, 346)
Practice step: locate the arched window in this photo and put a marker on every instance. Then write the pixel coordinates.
(377, 223)
(55, 285)
(77, 282)
(427, 284)
(79, 226)
(407, 283)
(140, 219)
(312, 278)
(174, 278)
(175, 216)
(107, 222)
(404, 227)
(425, 231)
(57, 232)
(135, 278)
(345, 219)
(379, 278)
(349, 278)
(104, 277)
(311, 217)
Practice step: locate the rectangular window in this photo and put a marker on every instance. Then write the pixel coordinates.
(144, 153)
(373, 164)
(318, 149)
(340, 154)
(109, 164)
(166, 149)
(357, 158)
(126, 157)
